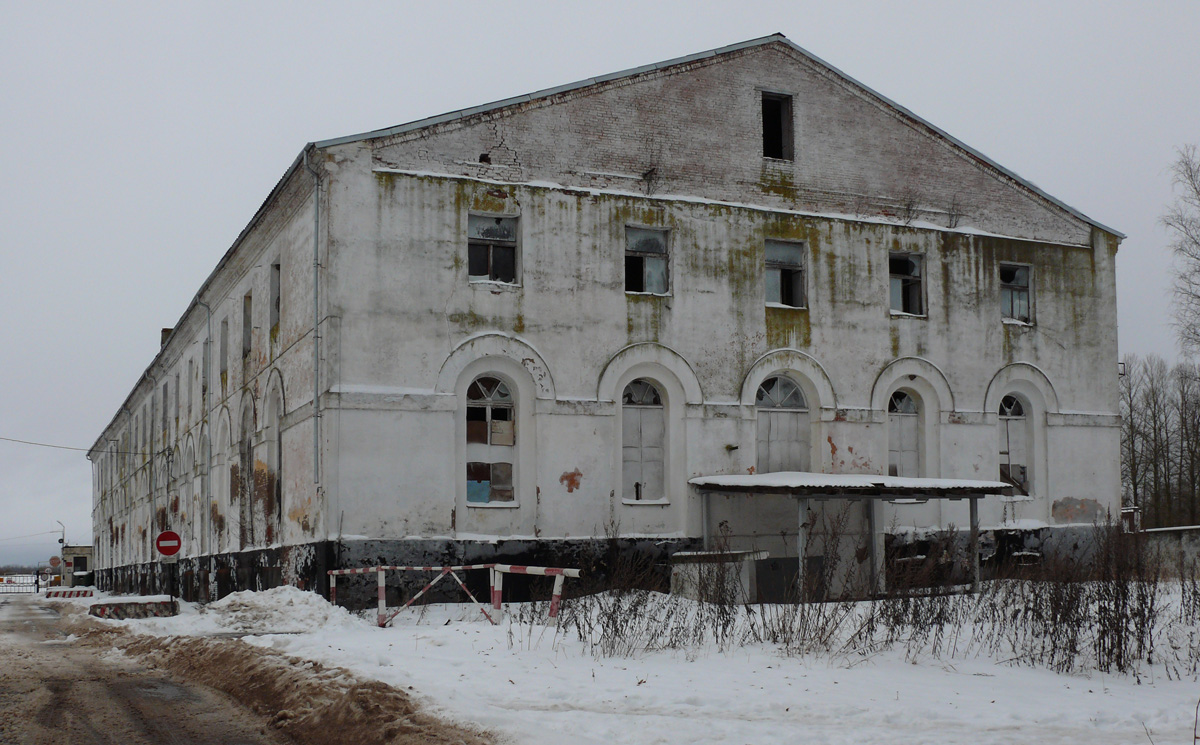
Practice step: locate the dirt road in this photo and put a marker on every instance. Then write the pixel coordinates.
(56, 692)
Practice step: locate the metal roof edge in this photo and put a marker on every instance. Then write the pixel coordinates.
(495, 105)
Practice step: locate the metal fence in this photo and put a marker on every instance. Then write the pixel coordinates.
(18, 584)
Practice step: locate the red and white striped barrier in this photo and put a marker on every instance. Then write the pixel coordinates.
(68, 593)
(496, 574)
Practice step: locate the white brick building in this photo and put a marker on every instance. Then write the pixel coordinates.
(536, 320)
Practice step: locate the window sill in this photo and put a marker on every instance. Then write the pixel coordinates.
(646, 502)
(648, 294)
(779, 161)
(1016, 322)
(494, 286)
(494, 505)
(902, 314)
(784, 306)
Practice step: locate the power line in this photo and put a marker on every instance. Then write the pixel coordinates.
(30, 535)
(58, 447)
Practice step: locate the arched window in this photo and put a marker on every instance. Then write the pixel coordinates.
(783, 426)
(643, 439)
(245, 486)
(904, 428)
(1014, 444)
(491, 441)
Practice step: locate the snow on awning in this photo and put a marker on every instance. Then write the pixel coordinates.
(850, 485)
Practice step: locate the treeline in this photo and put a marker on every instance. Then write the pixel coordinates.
(1160, 440)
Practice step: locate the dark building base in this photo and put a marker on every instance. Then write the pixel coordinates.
(626, 562)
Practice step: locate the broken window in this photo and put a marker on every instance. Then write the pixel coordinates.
(643, 439)
(275, 276)
(491, 441)
(1014, 292)
(1014, 449)
(903, 436)
(646, 260)
(191, 375)
(492, 249)
(906, 294)
(785, 274)
(247, 324)
(224, 348)
(783, 426)
(777, 126)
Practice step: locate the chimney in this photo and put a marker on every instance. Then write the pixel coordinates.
(166, 333)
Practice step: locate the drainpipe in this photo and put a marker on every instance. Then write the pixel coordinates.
(206, 375)
(316, 174)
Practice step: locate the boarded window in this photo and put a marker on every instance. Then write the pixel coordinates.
(1014, 444)
(785, 274)
(777, 126)
(1014, 292)
(904, 457)
(905, 272)
(492, 249)
(783, 427)
(643, 442)
(491, 441)
(646, 261)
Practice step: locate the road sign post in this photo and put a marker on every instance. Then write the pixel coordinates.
(168, 544)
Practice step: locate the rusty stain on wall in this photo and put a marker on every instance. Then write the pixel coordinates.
(571, 479)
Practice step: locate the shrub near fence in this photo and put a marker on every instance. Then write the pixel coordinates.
(1116, 612)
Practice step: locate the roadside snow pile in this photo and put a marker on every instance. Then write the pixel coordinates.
(280, 610)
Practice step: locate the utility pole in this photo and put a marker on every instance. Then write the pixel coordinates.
(62, 548)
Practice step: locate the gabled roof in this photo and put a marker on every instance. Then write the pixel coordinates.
(762, 41)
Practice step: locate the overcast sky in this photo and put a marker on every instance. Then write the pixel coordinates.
(138, 140)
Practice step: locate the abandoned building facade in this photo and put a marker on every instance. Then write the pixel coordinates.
(516, 330)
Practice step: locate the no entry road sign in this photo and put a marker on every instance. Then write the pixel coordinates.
(168, 543)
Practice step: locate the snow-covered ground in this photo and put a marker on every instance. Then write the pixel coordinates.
(536, 684)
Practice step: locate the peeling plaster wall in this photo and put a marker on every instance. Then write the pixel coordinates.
(163, 483)
(408, 311)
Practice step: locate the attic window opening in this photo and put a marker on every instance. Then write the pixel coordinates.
(492, 249)
(777, 126)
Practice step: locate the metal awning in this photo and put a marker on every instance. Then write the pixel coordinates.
(850, 486)
(867, 488)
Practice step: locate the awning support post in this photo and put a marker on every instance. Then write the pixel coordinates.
(869, 506)
(974, 544)
(802, 550)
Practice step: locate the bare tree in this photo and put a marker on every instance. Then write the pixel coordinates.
(1183, 220)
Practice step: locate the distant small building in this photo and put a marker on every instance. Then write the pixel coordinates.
(515, 331)
(77, 565)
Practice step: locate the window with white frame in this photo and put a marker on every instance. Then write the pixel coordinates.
(904, 452)
(643, 442)
(491, 441)
(905, 273)
(646, 261)
(492, 249)
(783, 426)
(1015, 292)
(785, 270)
(1014, 444)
